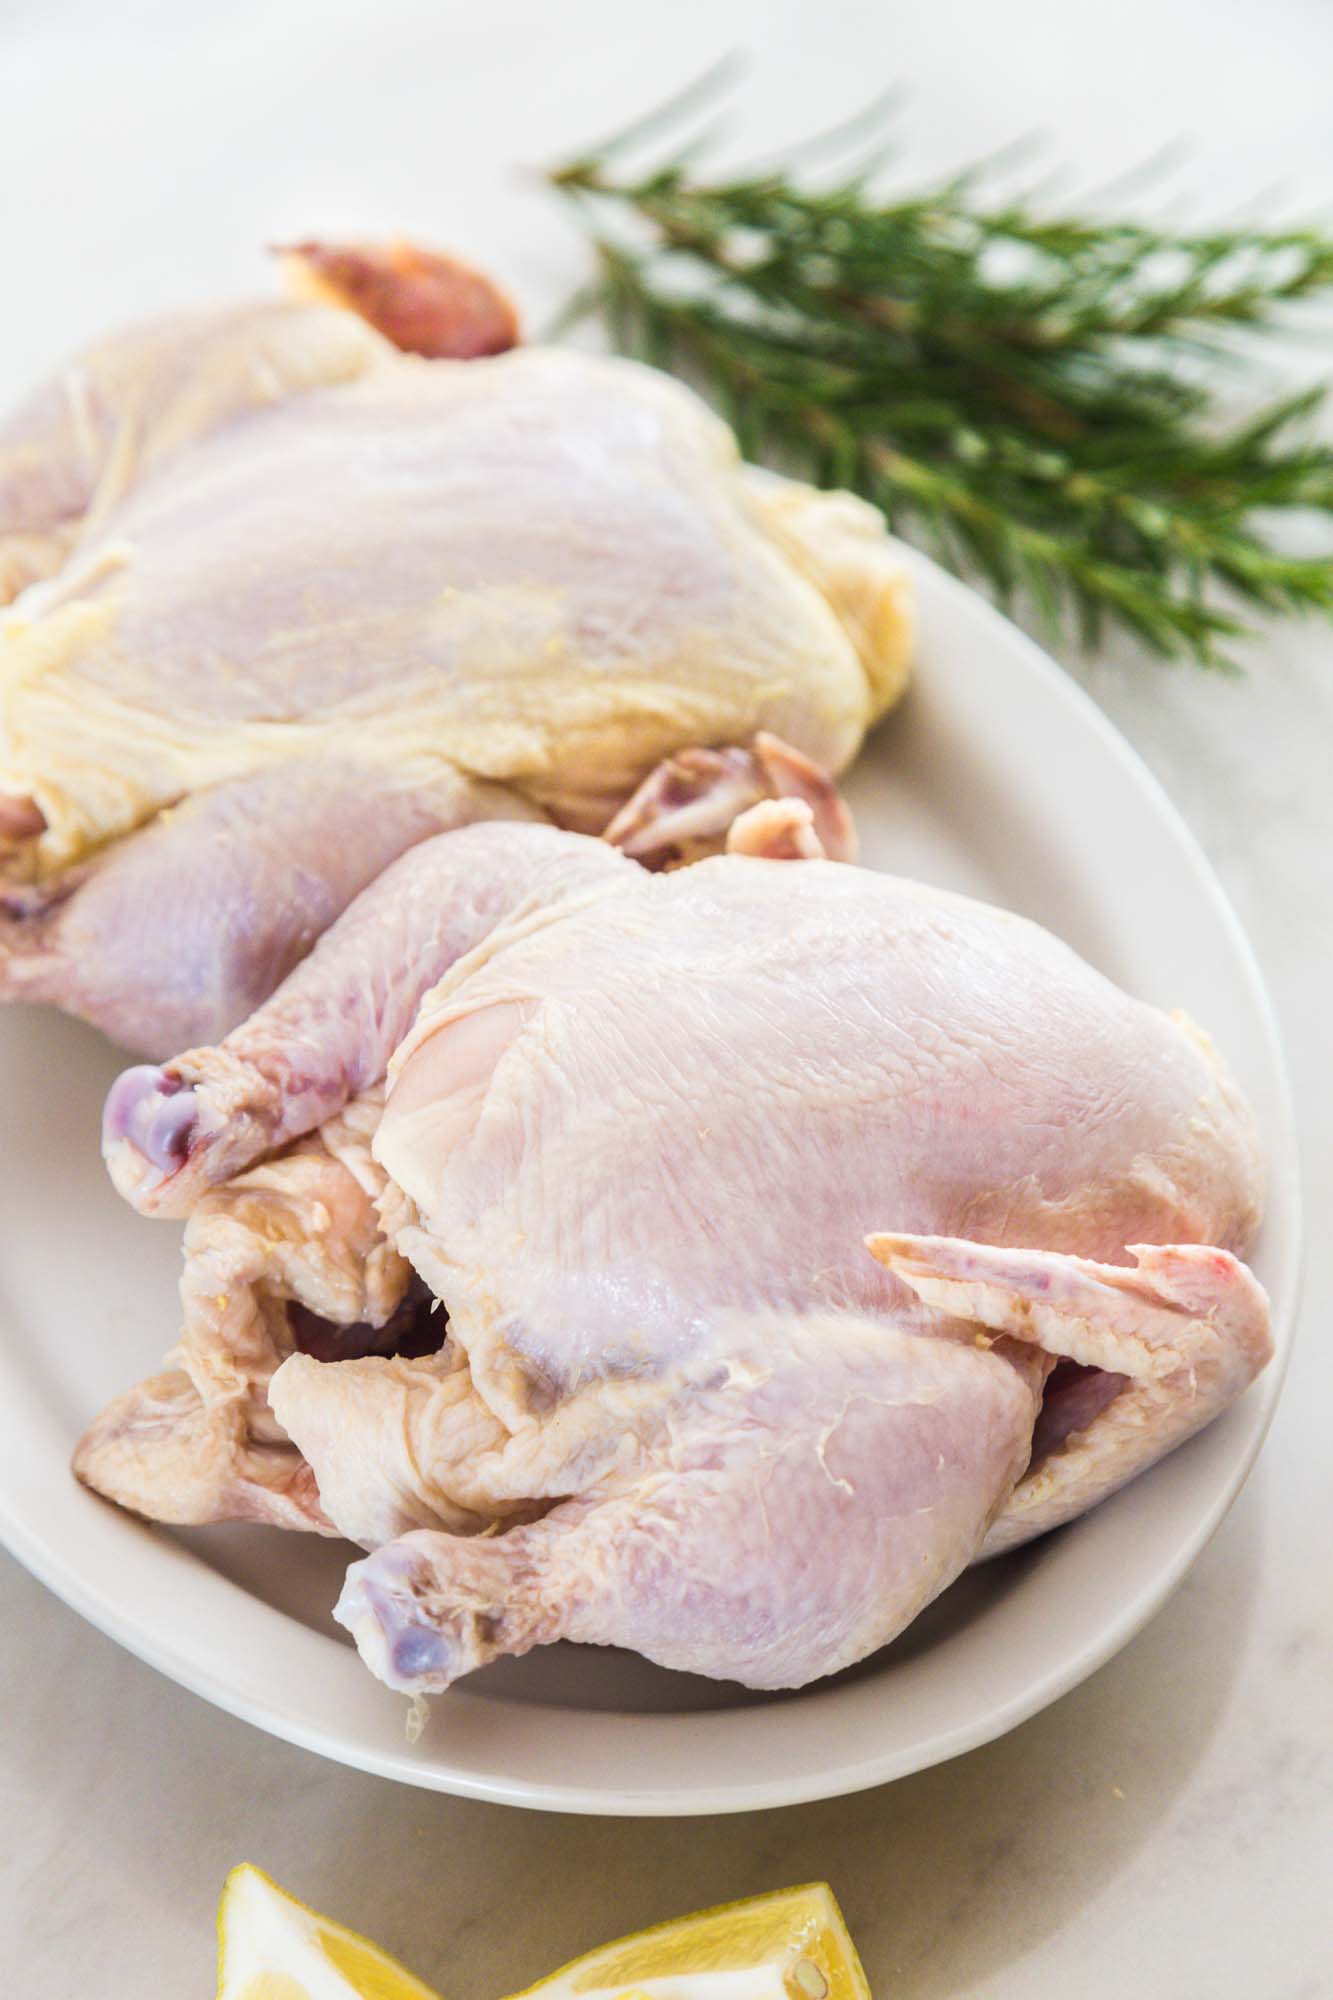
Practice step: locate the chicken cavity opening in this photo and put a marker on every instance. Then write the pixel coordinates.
(417, 1326)
(1073, 1399)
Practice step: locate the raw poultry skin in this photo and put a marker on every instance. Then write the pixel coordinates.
(803, 1233)
(286, 599)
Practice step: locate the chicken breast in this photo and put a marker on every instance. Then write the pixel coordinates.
(336, 597)
(803, 1233)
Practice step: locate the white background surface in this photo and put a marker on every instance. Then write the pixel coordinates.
(1168, 1829)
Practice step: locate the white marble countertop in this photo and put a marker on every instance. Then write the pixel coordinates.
(1167, 1830)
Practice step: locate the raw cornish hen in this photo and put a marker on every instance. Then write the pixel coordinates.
(287, 599)
(802, 1233)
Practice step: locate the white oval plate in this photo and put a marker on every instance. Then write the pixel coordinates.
(997, 777)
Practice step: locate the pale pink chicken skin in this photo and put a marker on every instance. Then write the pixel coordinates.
(637, 1135)
(286, 599)
(185, 926)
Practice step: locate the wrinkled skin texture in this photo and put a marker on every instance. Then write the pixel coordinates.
(262, 547)
(803, 1234)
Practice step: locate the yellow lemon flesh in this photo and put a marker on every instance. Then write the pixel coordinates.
(790, 1945)
(270, 1947)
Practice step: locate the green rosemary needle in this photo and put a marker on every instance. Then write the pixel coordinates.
(1038, 400)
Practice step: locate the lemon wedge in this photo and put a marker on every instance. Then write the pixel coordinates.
(790, 1945)
(270, 1947)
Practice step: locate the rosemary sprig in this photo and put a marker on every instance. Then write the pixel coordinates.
(1036, 398)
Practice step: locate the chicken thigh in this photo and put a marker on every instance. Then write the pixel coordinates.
(335, 597)
(803, 1233)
